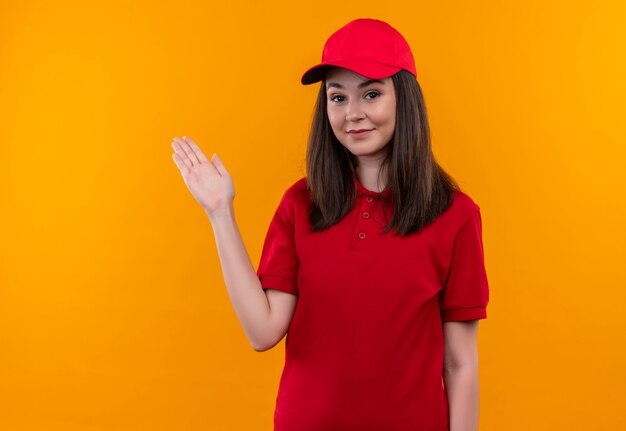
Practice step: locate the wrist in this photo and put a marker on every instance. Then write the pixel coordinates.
(221, 214)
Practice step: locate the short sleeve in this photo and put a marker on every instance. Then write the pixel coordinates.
(278, 267)
(466, 292)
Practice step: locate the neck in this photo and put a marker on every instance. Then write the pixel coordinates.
(368, 175)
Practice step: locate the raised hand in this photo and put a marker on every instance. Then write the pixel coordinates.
(207, 180)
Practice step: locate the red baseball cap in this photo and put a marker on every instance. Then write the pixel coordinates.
(369, 47)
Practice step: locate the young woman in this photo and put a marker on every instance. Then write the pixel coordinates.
(372, 265)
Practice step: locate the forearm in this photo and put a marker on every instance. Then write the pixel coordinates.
(462, 389)
(242, 283)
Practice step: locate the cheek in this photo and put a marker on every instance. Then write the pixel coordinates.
(390, 114)
(334, 120)
(392, 122)
(386, 118)
(388, 122)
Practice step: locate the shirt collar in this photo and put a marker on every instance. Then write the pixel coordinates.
(361, 190)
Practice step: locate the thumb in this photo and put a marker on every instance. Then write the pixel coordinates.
(217, 162)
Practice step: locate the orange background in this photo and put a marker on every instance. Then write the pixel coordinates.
(113, 310)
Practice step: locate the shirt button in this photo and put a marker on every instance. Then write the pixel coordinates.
(366, 214)
(362, 235)
(369, 198)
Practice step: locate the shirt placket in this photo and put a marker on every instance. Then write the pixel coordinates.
(371, 219)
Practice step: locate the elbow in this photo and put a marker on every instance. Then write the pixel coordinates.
(266, 342)
(259, 348)
(257, 345)
(262, 346)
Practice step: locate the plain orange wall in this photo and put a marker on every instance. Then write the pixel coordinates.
(113, 310)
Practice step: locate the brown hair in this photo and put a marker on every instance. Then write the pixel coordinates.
(421, 189)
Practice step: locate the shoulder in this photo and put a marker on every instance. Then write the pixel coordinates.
(464, 203)
(462, 209)
(299, 185)
(295, 197)
(298, 191)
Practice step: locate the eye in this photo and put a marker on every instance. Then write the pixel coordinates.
(334, 98)
(375, 93)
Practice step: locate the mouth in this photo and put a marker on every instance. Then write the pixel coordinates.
(360, 132)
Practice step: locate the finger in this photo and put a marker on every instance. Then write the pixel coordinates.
(182, 155)
(188, 151)
(199, 153)
(184, 169)
(219, 165)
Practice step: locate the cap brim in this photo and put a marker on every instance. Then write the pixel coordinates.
(369, 69)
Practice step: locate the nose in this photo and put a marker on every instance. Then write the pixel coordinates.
(354, 112)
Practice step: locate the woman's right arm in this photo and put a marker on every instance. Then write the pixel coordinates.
(264, 315)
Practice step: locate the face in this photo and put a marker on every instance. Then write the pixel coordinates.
(362, 112)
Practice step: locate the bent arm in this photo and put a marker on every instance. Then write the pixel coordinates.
(244, 288)
(461, 374)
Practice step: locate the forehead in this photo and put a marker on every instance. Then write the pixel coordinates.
(348, 78)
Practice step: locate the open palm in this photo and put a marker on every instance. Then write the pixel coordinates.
(207, 180)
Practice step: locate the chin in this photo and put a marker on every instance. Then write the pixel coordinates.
(364, 152)
(363, 146)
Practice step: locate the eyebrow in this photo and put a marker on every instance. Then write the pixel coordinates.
(361, 85)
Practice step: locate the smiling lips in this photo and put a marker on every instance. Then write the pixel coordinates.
(360, 132)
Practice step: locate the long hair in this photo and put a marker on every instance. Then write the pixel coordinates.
(421, 189)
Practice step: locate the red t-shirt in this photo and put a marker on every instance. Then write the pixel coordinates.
(365, 347)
